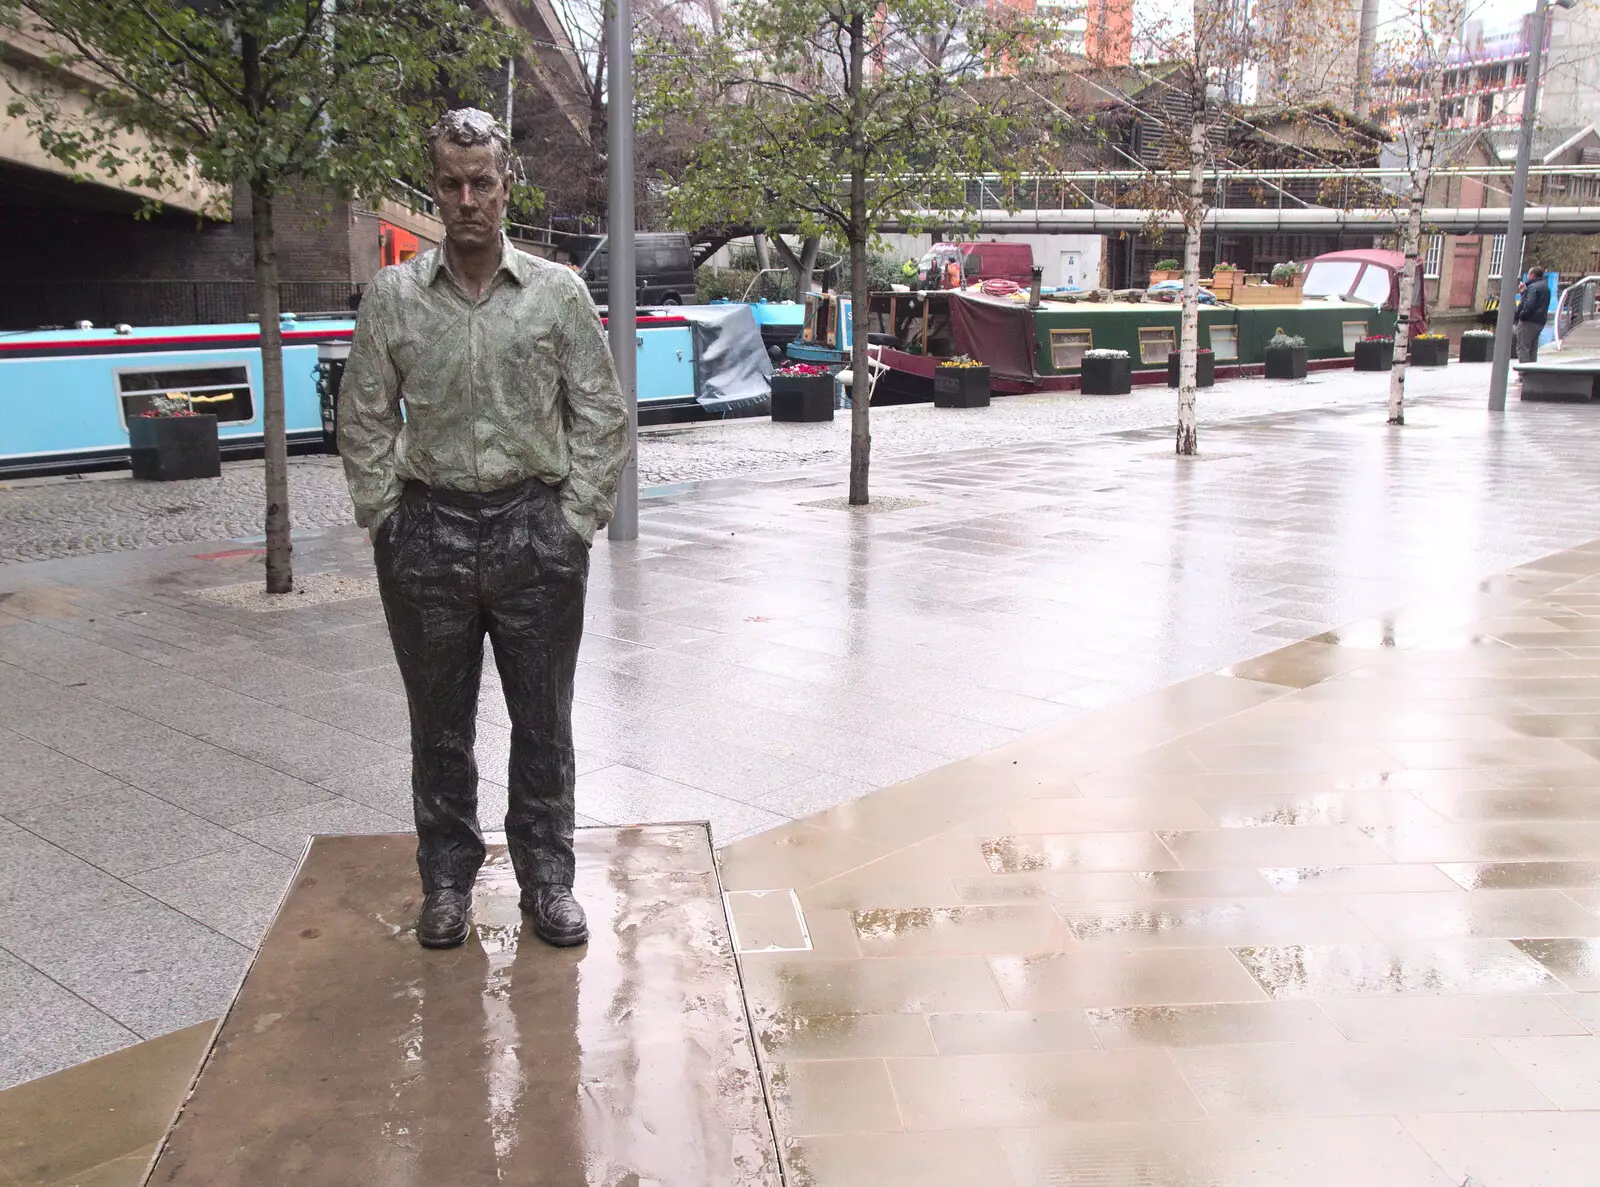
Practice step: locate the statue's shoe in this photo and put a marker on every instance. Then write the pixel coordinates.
(557, 918)
(445, 918)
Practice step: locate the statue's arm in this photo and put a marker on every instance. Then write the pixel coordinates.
(597, 418)
(369, 412)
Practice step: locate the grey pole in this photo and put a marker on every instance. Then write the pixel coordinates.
(1511, 257)
(622, 317)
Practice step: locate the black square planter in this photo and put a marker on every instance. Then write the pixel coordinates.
(961, 387)
(1106, 377)
(1375, 356)
(1430, 352)
(168, 448)
(1477, 348)
(1205, 369)
(1286, 362)
(802, 397)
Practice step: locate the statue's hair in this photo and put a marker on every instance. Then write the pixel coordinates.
(470, 127)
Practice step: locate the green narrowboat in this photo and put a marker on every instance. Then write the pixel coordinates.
(1040, 346)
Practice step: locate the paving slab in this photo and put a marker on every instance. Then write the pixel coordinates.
(1130, 990)
(97, 1124)
(351, 1054)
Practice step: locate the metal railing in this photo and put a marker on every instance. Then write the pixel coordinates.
(415, 199)
(1575, 306)
(1228, 188)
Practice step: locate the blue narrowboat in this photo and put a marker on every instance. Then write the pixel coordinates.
(66, 395)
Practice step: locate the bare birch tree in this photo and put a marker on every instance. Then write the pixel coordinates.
(1202, 73)
(1426, 35)
(1197, 74)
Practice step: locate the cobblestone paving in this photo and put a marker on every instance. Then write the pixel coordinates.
(686, 454)
(46, 518)
(43, 519)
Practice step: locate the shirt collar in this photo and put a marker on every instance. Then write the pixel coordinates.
(513, 263)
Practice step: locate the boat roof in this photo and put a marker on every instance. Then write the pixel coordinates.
(220, 336)
(1050, 306)
(1392, 260)
(189, 337)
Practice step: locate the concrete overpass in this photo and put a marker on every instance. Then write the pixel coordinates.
(29, 59)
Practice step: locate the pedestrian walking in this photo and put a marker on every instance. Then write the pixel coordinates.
(481, 502)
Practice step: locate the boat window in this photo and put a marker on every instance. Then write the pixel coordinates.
(1156, 343)
(1225, 343)
(1354, 331)
(222, 391)
(1067, 347)
(1373, 286)
(1330, 278)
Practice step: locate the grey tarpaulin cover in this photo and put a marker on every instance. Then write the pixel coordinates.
(732, 373)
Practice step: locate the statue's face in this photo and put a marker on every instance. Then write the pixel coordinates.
(471, 191)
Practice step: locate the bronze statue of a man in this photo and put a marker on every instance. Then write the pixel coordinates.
(483, 432)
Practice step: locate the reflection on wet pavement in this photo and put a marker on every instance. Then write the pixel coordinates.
(354, 1056)
(1314, 934)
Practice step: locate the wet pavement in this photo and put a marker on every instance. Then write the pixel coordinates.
(759, 655)
(352, 1055)
(1330, 916)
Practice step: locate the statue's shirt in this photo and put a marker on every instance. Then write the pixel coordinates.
(518, 384)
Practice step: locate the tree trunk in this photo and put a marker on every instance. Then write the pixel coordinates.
(1410, 244)
(763, 256)
(598, 196)
(801, 267)
(860, 434)
(280, 573)
(808, 266)
(1410, 239)
(1188, 443)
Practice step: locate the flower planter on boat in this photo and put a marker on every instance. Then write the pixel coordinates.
(172, 448)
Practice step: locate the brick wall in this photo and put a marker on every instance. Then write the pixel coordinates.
(317, 241)
(64, 261)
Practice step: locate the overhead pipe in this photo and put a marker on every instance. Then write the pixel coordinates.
(1576, 220)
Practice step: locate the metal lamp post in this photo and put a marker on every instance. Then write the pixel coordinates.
(622, 312)
(1511, 256)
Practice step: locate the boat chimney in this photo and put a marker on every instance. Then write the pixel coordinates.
(1033, 289)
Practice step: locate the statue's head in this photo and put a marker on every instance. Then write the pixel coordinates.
(470, 154)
